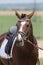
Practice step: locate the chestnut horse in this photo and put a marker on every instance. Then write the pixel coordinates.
(23, 52)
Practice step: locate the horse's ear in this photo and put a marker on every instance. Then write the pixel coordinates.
(17, 14)
(30, 15)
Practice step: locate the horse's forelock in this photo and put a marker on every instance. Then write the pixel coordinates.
(23, 15)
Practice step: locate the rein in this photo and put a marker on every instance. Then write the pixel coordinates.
(33, 44)
(23, 34)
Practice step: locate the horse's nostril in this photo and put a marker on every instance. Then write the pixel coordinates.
(17, 41)
(20, 40)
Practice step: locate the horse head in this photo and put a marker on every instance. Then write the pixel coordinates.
(24, 26)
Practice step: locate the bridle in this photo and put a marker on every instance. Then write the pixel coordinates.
(25, 37)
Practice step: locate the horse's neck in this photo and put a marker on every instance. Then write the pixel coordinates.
(31, 38)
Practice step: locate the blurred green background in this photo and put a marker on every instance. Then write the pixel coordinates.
(7, 21)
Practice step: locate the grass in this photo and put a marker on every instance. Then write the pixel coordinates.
(37, 26)
(7, 21)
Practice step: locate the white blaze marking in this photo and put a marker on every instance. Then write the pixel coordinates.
(22, 24)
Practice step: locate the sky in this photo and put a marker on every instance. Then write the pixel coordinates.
(21, 1)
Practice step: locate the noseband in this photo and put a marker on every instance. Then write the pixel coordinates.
(23, 35)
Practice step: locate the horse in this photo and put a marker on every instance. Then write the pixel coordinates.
(23, 53)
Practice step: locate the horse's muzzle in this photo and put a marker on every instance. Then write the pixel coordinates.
(19, 43)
